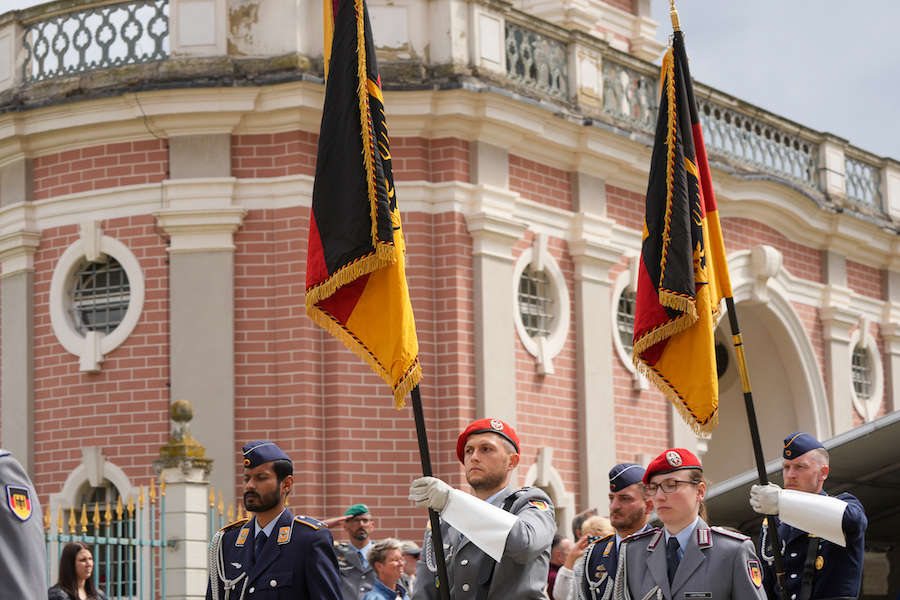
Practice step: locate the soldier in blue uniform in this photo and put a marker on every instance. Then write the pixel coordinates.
(822, 537)
(629, 510)
(274, 554)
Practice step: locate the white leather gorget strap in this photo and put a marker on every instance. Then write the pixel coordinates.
(486, 525)
(815, 514)
(217, 570)
(620, 589)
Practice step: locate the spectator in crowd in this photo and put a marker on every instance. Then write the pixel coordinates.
(559, 550)
(597, 527)
(579, 519)
(411, 553)
(76, 565)
(357, 574)
(386, 558)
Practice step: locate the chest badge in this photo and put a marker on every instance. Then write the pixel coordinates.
(820, 562)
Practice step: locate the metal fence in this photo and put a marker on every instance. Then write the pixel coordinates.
(127, 542)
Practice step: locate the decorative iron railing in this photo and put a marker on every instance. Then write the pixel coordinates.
(218, 516)
(94, 38)
(863, 181)
(537, 61)
(130, 562)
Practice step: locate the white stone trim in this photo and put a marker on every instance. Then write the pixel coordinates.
(91, 348)
(627, 280)
(544, 349)
(544, 475)
(862, 337)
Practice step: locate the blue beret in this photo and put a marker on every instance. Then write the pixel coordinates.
(799, 443)
(623, 475)
(257, 453)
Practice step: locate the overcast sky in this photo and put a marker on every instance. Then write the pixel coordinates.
(831, 65)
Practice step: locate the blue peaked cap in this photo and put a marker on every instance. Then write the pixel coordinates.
(798, 444)
(260, 452)
(623, 475)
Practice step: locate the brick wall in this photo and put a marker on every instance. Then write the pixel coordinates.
(865, 280)
(546, 408)
(801, 261)
(538, 182)
(273, 154)
(432, 160)
(123, 409)
(625, 207)
(626, 5)
(100, 167)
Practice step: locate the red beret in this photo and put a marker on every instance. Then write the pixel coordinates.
(673, 459)
(487, 425)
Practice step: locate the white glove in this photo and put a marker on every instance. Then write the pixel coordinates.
(430, 492)
(764, 499)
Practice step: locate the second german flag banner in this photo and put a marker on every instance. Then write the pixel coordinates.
(355, 275)
(683, 270)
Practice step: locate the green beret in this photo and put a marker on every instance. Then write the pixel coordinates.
(356, 510)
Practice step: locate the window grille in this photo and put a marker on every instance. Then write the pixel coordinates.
(862, 372)
(99, 295)
(625, 319)
(536, 302)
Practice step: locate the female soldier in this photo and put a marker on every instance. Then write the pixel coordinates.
(686, 558)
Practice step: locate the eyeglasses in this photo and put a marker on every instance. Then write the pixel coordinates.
(668, 486)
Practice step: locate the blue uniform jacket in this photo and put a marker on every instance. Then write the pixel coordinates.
(838, 571)
(600, 561)
(296, 563)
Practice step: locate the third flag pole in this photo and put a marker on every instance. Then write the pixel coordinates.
(683, 273)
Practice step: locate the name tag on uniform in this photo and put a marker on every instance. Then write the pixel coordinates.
(697, 595)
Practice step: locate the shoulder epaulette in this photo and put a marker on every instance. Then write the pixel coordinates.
(310, 522)
(234, 524)
(601, 539)
(640, 534)
(4, 452)
(729, 533)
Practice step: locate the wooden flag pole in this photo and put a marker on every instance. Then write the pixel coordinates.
(437, 538)
(738, 341)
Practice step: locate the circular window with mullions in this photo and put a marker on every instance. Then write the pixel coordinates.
(99, 294)
(96, 296)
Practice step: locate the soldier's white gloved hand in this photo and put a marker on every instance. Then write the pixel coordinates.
(764, 498)
(430, 492)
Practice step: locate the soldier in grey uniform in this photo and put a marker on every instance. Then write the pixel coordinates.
(357, 575)
(497, 542)
(23, 562)
(686, 558)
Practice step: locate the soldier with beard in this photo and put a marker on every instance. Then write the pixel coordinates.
(357, 575)
(274, 554)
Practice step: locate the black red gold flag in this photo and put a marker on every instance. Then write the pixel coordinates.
(683, 270)
(355, 273)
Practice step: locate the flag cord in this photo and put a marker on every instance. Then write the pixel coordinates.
(737, 340)
(443, 582)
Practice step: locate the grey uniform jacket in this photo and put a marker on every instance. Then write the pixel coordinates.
(522, 572)
(355, 579)
(22, 555)
(717, 564)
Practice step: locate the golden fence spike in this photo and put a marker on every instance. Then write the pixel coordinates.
(59, 519)
(162, 483)
(141, 498)
(47, 520)
(152, 492)
(221, 505)
(108, 514)
(119, 508)
(212, 496)
(72, 520)
(96, 519)
(84, 520)
(231, 512)
(130, 506)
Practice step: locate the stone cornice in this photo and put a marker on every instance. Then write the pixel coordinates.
(17, 252)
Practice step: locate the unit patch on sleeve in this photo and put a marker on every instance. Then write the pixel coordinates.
(755, 573)
(19, 501)
(539, 504)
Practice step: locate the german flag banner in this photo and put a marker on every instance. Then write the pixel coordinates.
(683, 270)
(355, 277)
